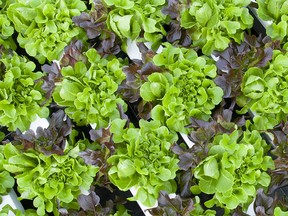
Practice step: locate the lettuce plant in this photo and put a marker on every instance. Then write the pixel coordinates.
(179, 206)
(265, 91)
(235, 168)
(234, 61)
(6, 180)
(50, 180)
(21, 97)
(276, 12)
(214, 23)
(185, 88)
(104, 40)
(143, 159)
(45, 27)
(6, 27)
(88, 91)
(129, 18)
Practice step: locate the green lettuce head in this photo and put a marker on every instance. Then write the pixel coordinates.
(235, 168)
(88, 92)
(45, 27)
(143, 159)
(275, 11)
(6, 180)
(186, 88)
(214, 23)
(129, 18)
(21, 96)
(265, 92)
(49, 180)
(6, 27)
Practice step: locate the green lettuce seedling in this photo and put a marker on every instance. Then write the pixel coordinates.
(21, 96)
(143, 159)
(214, 23)
(45, 27)
(185, 88)
(88, 91)
(235, 168)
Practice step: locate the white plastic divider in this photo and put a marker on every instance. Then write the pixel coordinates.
(11, 199)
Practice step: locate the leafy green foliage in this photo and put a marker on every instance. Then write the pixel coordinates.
(236, 166)
(143, 159)
(275, 196)
(265, 92)
(88, 91)
(214, 23)
(45, 27)
(202, 135)
(129, 18)
(21, 97)
(6, 28)
(185, 88)
(49, 180)
(7, 209)
(275, 11)
(278, 212)
(6, 180)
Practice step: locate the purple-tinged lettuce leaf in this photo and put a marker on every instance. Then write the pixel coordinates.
(136, 74)
(178, 35)
(53, 76)
(172, 206)
(51, 140)
(179, 206)
(103, 148)
(234, 61)
(89, 202)
(94, 23)
(172, 9)
(73, 53)
(90, 205)
(264, 205)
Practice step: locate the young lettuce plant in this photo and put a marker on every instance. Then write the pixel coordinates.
(45, 27)
(185, 88)
(104, 40)
(6, 180)
(21, 96)
(143, 159)
(52, 181)
(234, 61)
(276, 12)
(264, 92)
(212, 24)
(88, 91)
(235, 168)
(131, 19)
(6, 28)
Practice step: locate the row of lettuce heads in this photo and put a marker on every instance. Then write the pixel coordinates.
(180, 89)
